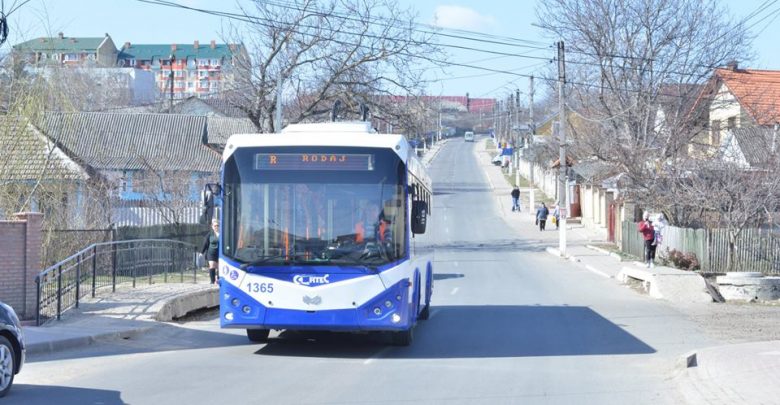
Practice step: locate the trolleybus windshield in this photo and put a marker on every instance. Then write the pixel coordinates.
(314, 206)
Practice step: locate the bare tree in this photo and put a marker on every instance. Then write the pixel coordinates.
(356, 51)
(629, 60)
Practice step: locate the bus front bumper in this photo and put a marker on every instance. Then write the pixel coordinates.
(389, 311)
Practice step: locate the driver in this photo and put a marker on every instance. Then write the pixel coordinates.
(372, 223)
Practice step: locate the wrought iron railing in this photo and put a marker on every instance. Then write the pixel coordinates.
(110, 264)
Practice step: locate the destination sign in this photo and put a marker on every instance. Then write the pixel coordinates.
(314, 161)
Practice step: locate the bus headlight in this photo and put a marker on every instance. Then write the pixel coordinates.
(396, 318)
(228, 316)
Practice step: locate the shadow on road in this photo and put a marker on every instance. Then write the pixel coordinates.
(477, 332)
(29, 394)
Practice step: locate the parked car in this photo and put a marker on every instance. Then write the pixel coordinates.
(11, 347)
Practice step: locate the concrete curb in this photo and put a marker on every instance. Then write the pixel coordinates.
(181, 305)
(80, 341)
(669, 284)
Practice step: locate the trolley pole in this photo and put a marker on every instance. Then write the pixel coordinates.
(562, 204)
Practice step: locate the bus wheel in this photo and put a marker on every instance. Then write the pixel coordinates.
(257, 335)
(402, 338)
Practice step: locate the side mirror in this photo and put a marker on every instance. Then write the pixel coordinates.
(419, 216)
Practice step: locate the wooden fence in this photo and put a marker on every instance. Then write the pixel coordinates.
(756, 249)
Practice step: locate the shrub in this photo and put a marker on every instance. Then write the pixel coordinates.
(684, 260)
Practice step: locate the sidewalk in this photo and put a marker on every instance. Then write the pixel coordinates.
(744, 373)
(125, 313)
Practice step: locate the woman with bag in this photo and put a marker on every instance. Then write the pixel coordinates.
(211, 250)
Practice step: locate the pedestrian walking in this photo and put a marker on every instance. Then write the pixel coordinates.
(645, 227)
(556, 214)
(211, 250)
(515, 199)
(541, 216)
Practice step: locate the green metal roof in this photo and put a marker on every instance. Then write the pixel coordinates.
(57, 44)
(149, 52)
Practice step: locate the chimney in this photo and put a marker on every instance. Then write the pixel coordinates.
(213, 44)
(61, 35)
(196, 44)
(127, 45)
(732, 65)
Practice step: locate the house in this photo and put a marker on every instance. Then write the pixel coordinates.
(153, 165)
(737, 98)
(68, 51)
(37, 176)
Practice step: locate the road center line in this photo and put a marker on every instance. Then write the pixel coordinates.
(454, 290)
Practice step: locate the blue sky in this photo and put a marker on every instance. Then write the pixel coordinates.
(129, 20)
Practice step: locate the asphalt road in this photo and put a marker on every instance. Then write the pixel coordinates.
(509, 324)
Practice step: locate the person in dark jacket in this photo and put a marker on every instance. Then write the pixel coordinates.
(515, 199)
(541, 216)
(211, 250)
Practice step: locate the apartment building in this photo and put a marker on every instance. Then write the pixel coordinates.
(196, 69)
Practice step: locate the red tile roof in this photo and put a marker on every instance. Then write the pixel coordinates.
(758, 91)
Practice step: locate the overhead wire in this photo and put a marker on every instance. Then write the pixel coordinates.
(258, 20)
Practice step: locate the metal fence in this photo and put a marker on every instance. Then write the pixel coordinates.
(107, 265)
(756, 250)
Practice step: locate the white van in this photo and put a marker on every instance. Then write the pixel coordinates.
(469, 137)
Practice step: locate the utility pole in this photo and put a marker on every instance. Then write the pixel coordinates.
(531, 202)
(170, 77)
(531, 107)
(562, 204)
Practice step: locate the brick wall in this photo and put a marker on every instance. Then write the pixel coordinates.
(20, 261)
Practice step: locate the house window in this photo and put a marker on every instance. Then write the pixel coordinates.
(179, 84)
(203, 62)
(71, 57)
(715, 131)
(131, 62)
(190, 85)
(215, 62)
(732, 123)
(91, 56)
(179, 73)
(203, 73)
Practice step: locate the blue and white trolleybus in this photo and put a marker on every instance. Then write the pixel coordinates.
(319, 225)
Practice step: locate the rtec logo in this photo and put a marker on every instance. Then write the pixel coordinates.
(308, 280)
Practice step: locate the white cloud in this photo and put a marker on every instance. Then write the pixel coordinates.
(459, 17)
